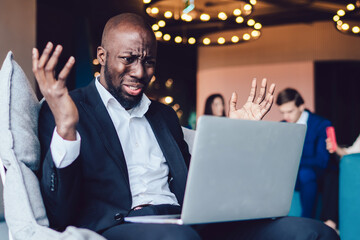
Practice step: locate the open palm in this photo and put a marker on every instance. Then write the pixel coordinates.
(255, 108)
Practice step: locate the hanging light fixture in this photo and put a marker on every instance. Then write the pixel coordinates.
(194, 22)
(343, 21)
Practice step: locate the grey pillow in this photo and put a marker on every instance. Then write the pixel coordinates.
(20, 149)
(19, 110)
(20, 153)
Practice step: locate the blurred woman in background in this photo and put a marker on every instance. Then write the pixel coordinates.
(215, 105)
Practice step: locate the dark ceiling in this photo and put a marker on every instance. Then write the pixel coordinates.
(267, 12)
(78, 24)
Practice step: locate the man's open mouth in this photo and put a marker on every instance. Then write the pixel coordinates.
(133, 90)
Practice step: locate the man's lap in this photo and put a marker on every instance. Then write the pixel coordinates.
(281, 228)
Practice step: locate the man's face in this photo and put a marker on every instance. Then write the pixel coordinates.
(129, 59)
(290, 112)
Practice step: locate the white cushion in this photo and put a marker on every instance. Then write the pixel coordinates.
(20, 153)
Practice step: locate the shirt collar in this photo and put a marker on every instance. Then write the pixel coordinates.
(303, 118)
(108, 100)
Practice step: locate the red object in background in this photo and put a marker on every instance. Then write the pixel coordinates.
(330, 132)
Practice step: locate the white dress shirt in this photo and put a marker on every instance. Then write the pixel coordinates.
(303, 118)
(147, 167)
(355, 148)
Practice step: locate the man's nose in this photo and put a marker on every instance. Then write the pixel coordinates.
(138, 70)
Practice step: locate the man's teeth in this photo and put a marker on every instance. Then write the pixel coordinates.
(133, 88)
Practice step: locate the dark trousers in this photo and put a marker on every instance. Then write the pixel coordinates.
(280, 229)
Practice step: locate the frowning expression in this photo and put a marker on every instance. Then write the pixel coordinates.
(128, 63)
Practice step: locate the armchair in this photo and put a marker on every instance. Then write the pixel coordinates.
(349, 197)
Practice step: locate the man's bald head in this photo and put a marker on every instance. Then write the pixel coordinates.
(126, 21)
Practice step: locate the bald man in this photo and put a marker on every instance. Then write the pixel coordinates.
(109, 152)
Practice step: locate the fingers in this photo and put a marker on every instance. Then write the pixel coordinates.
(35, 63)
(45, 55)
(51, 63)
(66, 70)
(232, 104)
(262, 92)
(252, 91)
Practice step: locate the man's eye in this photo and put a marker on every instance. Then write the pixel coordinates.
(150, 62)
(129, 59)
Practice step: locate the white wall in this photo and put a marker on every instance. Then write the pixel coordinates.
(18, 32)
(283, 54)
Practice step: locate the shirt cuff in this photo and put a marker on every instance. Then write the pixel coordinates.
(64, 152)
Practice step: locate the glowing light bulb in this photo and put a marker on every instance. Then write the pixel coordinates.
(237, 12)
(246, 36)
(191, 40)
(336, 18)
(158, 34)
(356, 29)
(178, 39)
(345, 27)
(350, 7)
(186, 17)
(341, 12)
(235, 39)
(155, 10)
(251, 22)
(161, 23)
(96, 74)
(247, 7)
(221, 40)
(168, 14)
(168, 100)
(206, 41)
(253, 2)
(239, 19)
(257, 26)
(155, 27)
(166, 37)
(204, 17)
(147, 1)
(255, 33)
(222, 16)
(95, 61)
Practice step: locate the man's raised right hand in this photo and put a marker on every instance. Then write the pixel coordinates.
(55, 91)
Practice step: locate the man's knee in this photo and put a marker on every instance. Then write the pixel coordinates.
(305, 228)
(151, 232)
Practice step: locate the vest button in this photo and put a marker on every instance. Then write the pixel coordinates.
(119, 217)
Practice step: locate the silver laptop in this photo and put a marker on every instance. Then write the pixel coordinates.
(239, 170)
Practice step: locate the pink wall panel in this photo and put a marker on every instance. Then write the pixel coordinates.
(225, 80)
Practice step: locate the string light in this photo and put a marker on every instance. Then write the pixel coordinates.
(178, 39)
(161, 23)
(235, 39)
(155, 10)
(350, 7)
(221, 40)
(180, 34)
(345, 27)
(239, 20)
(167, 37)
(158, 34)
(168, 14)
(246, 36)
(192, 40)
(155, 27)
(206, 41)
(204, 17)
(237, 12)
(251, 22)
(222, 16)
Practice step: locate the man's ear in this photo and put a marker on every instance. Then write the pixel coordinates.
(101, 55)
(302, 107)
